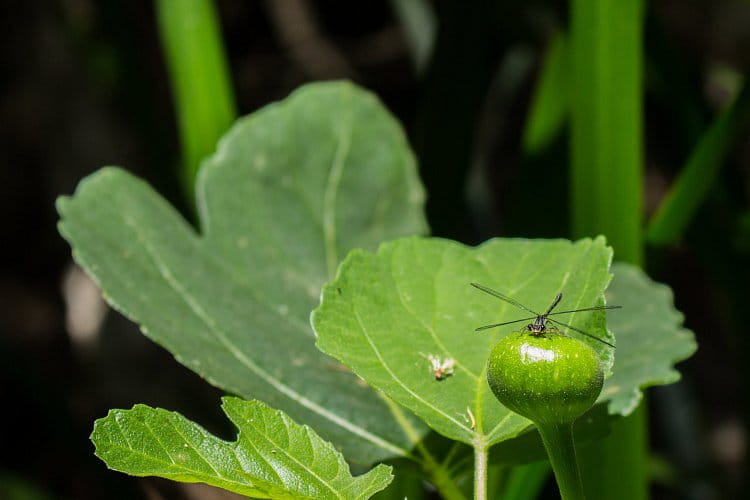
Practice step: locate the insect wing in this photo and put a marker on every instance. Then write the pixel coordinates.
(580, 331)
(487, 327)
(595, 308)
(500, 296)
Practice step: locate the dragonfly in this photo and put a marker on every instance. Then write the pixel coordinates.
(540, 325)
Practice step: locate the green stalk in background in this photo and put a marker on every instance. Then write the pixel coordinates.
(606, 166)
(606, 179)
(697, 176)
(204, 102)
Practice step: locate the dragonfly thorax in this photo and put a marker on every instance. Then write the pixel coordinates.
(539, 326)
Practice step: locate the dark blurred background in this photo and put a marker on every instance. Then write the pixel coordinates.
(84, 85)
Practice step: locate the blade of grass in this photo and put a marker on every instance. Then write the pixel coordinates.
(520, 483)
(606, 89)
(606, 198)
(550, 102)
(697, 176)
(419, 24)
(204, 102)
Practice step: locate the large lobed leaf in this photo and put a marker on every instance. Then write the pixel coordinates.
(273, 457)
(289, 191)
(386, 313)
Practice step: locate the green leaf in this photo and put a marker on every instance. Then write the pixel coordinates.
(650, 338)
(387, 312)
(290, 190)
(273, 457)
(697, 176)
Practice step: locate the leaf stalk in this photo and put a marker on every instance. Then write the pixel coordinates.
(480, 472)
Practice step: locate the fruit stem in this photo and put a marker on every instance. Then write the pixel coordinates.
(558, 440)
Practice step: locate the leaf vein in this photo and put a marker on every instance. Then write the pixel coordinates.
(252, 366)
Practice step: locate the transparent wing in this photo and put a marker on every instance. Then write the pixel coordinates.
(595, 308)
(487, 327)
(580, 331)
(507, 299)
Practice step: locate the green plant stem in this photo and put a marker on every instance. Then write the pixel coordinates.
(558, 440)
(606, 182)
(437, 472)
(480, 472)
(204, 102)
(439, 476)
(621, 453)
(606, 123)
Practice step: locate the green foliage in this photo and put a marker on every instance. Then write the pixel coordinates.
(699, 172)
(290, 190)
(273, 456)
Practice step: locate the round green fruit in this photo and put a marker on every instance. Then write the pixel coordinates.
(547, 378)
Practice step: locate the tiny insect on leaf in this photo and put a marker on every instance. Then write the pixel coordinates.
(440, 368)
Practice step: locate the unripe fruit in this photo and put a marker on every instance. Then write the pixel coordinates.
(548, 378)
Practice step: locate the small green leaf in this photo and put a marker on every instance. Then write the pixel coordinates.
(291, 189)
(273, 457)
(650, 338)
(386, 314)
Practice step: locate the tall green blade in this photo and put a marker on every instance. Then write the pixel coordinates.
(551, 101)
(203, 98)
(606, 177)
(419, 24)
(606, 149)
(697, 176)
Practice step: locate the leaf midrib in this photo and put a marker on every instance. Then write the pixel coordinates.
(333, 181)
(171, 463)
